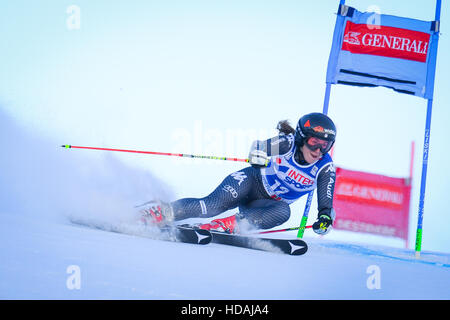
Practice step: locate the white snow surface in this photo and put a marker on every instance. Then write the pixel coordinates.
(36, 254)
(43, 186)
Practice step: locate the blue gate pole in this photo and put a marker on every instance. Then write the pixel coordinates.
(426, 144)
(423, 181)
(304, 220)
(326, 102)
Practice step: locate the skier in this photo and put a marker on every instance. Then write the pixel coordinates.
(283, 169)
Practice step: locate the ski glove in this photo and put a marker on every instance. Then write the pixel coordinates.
(257, 156)
(323, 224)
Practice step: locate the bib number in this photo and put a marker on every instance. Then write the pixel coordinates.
(278, 188)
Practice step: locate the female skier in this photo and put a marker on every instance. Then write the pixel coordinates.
(283, 169)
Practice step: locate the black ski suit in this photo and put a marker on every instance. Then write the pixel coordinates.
(244, 189)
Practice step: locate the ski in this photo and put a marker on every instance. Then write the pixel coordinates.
(294, 247)
(189, 235)
(184, 234)
(195, 235)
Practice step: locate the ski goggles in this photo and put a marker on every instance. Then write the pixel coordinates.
(314, 143)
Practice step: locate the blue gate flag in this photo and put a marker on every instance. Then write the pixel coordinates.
(395, 52)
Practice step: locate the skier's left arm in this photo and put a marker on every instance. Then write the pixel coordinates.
(325, 191)
(261, 151)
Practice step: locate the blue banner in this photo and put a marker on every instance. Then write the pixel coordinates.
(371, 49)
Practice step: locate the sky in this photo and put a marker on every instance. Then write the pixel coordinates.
(209, 77)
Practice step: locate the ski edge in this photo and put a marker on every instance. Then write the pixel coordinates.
(293, 247)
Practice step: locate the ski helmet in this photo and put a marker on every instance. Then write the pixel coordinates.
(316, 125)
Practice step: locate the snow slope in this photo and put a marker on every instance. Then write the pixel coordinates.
(42, 185)
(36, 256)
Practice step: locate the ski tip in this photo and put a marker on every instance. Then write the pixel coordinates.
(67, 146)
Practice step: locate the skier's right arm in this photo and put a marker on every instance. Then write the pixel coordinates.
(261, 151)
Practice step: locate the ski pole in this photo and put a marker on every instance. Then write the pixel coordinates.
(282, 230)
(68, 146)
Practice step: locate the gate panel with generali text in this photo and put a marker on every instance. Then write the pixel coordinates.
(372, 203)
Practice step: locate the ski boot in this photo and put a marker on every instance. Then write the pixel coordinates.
(156, 213)
(226, 225)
